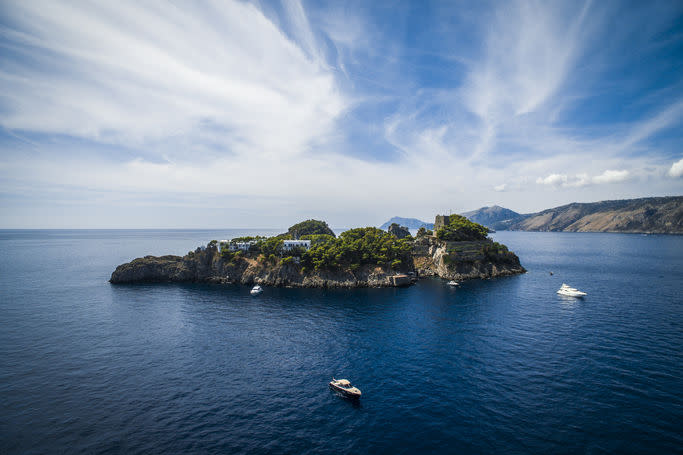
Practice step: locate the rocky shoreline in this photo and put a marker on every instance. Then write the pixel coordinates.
(430, 258)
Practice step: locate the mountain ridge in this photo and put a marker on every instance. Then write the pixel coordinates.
(657, 215)
(410, 223)
(490, 216)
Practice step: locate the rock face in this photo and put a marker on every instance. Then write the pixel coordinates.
(154, 269)
(397, 231)
(431, 257)
(207, 265)
(464, 260)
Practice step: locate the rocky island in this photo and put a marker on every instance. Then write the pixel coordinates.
(309, 254)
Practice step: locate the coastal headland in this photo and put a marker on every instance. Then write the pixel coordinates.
(309, 254)
(651, 215)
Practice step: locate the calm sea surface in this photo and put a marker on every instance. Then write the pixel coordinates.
(496, 366)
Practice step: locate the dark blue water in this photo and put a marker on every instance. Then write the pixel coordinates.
(501, 365)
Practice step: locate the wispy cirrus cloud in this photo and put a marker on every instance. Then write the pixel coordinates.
(518, 98)
(132, 74)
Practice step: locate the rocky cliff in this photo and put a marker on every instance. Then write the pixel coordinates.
(464, 260)
(208, 265)
(431, 257)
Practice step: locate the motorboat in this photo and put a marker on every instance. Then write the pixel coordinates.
(256, 290)
(569, 291)
(453, 283)
(344, 387)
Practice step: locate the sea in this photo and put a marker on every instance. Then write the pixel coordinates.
(494, 366)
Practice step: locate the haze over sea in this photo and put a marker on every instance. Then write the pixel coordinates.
(502, 365)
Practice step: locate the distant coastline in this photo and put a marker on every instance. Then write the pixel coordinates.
(652, 215)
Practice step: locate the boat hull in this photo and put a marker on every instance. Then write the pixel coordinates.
(572, 294)
(346, 393)
(256, 290)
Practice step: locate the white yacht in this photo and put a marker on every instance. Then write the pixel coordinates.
(344, 387)
(569, 291)
(256, 290)
(453, 283)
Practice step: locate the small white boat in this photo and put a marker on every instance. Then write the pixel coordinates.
(256, 290)
(569, 291)
(344, 387)
(453, 283)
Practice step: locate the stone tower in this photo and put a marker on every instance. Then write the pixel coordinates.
(441, 221)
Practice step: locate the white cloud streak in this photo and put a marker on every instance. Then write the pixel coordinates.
(610, 176)
(580, 180)
(676, 169)
(131, 74)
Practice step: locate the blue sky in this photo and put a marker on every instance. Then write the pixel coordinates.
(260, 114)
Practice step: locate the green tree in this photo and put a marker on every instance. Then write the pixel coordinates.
(317, 239)
(309, 227)
(356, 247)
(460, 228)
(271, 246)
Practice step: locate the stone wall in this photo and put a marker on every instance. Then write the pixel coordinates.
(467, 251)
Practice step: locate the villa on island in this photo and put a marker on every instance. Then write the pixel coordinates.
(288, 245)
(234, 246)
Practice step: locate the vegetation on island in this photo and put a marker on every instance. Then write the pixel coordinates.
(398, 231)
(317, 239)
(268, 249)
(309, 227)
(353, 249)
(460, 228)
(357, 247)
(422, 232)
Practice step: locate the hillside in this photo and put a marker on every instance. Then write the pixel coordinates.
(494, 217)
(410, 223)
(660, 215)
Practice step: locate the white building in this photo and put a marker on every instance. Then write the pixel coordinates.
(234, 246)
(288, 245)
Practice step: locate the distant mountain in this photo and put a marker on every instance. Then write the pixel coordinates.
(657, 215)
(495, 217)
(410, 223)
